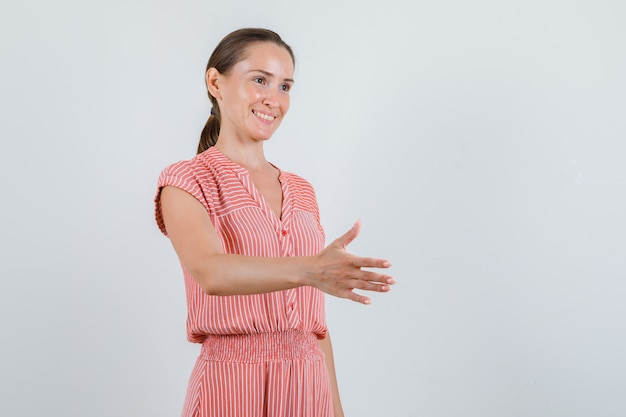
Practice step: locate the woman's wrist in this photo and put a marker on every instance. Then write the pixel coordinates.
(304, 271)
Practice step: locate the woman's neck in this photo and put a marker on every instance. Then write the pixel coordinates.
(249, 155)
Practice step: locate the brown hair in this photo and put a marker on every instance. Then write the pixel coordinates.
(226, 54)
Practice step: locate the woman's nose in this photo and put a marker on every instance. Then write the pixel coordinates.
(272, 97)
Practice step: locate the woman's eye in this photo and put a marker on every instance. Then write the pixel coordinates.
(285, 87)
(259, 80)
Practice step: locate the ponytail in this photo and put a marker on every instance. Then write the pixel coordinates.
(211, 131)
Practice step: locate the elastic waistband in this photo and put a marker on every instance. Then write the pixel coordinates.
(262, 347)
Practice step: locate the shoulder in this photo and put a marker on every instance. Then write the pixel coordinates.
(302, 192)
(200, 169)
(299, 182)
(184, 169)
(191, 175)
(194, 176)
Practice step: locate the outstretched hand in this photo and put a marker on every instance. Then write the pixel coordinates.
(338, 272)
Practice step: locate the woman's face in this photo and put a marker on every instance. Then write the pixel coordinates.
(254, 97)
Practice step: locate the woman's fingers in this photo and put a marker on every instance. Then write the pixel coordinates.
(351, 295)
(366, 285)
(367, 281)
(360, 262)
(368, 278)
(349, 236)
(357, 298)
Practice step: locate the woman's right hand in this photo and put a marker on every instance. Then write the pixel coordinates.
(337, 272)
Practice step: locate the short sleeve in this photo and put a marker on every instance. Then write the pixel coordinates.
(180, 175)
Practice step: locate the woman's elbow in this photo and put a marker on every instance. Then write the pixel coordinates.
(206, 274)
(207, 283)
(210, 290)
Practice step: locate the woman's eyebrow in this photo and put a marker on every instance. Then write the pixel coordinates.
(269, 74)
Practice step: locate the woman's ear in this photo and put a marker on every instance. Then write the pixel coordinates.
(213, 78)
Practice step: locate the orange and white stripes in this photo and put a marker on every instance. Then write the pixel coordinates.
(250, 373)
(260, 375)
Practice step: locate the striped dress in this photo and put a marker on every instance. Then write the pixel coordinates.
(260, 354)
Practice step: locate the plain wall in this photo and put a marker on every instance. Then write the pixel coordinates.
(482, 144)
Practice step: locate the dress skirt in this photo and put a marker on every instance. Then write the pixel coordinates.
(260, 375)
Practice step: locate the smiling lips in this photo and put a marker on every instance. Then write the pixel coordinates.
(264, 116)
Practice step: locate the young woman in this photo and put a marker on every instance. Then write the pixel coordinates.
(251, 246)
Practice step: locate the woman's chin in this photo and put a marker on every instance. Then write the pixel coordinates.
(262, 137)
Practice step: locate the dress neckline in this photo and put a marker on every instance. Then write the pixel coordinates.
(244, 175)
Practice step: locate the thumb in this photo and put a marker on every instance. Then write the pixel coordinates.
(349, 236)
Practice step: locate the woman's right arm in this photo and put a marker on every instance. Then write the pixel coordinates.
(333, 270)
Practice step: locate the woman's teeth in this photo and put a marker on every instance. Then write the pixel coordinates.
(264, 116)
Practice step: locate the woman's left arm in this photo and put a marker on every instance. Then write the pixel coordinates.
(327, 348)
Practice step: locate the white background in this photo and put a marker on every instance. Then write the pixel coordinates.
(482, 144)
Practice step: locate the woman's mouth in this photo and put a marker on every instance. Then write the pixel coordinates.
(264, 116)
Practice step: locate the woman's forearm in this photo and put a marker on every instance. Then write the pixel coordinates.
(225, 274)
